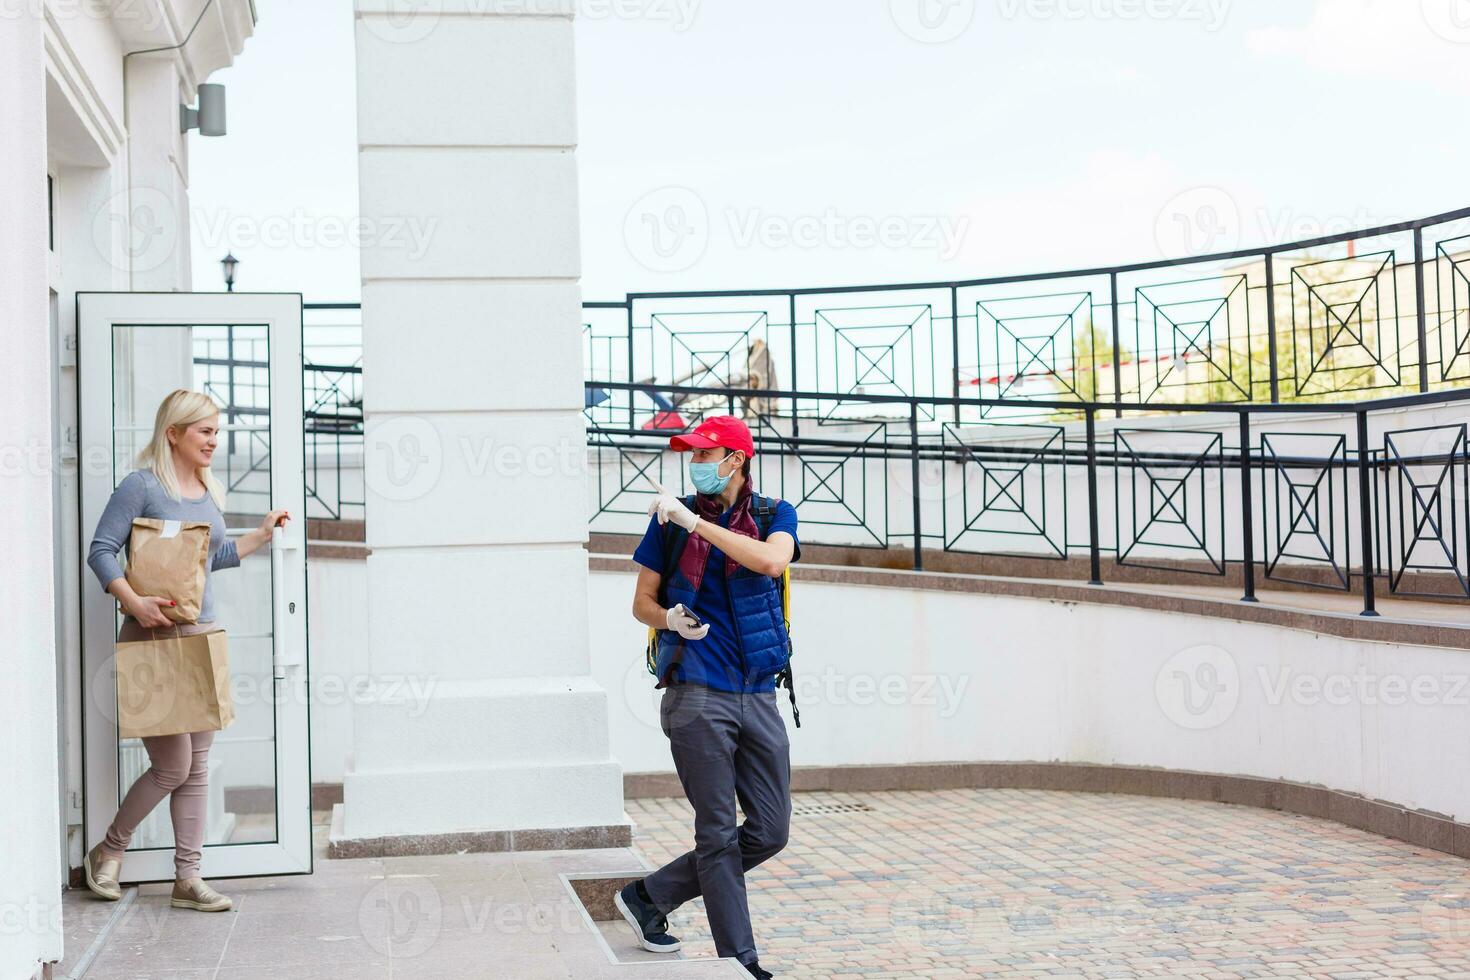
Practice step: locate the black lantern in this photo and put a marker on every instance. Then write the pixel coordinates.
(228, 263)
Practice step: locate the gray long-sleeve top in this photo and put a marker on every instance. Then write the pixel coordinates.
(141, 495)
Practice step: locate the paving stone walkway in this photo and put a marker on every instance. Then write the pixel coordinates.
(1003, 883)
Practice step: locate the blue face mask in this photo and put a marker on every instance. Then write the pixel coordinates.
(706, 477)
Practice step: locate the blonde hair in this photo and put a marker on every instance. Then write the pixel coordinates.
(181, 409)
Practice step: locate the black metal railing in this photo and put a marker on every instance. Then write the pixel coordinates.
(1381, 311)
(232, 364)
(1256, 491)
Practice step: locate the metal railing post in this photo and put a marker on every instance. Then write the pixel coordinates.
(1365, 515)
(1271, 327)
(1247, 526)
(791, 316)
(1094, 548)
(1420, 318)
(914, 481)
(628, 312)
(1117, 351)
(954, 342)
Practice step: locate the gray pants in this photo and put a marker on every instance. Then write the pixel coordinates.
(726, 747)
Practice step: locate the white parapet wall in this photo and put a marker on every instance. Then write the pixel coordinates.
(896, 676)
(893, 676)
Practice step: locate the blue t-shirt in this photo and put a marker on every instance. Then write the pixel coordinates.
(715, 660)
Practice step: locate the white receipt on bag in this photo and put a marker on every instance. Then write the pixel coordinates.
(171, 529)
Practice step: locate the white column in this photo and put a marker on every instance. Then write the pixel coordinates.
(156, 246)
(489, 722)
(30, 887)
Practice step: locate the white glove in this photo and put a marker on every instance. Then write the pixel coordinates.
(682, 621)
(670, 508)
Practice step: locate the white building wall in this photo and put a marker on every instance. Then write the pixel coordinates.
(30, 887)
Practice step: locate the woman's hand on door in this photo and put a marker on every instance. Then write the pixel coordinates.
(258, 538)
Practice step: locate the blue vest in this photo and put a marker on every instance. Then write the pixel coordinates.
(755, 605)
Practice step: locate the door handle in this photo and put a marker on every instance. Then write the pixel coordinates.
(285, 652)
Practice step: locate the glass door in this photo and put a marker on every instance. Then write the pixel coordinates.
(244, 350)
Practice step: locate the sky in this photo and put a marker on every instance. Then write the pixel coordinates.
(731, 144)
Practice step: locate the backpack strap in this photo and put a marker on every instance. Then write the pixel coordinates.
(763, 508)
(673, 538)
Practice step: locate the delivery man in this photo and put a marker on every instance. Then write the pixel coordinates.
(709, 585)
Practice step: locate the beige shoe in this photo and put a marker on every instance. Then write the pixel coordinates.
(193, 893)
(101, 874)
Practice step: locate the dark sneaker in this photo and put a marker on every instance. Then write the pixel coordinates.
(648, 922)
(754, 969)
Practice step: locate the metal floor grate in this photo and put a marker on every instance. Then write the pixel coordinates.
(811, 809)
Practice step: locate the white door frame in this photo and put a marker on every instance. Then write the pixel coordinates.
(97, 314)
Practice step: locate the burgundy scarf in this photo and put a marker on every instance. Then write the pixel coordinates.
(697, 549)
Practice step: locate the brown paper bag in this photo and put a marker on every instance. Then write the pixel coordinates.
(173, 683)
(170, 559)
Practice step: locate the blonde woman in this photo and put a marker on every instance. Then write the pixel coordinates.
(173, 482)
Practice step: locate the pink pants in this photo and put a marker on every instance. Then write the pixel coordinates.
(179, 770)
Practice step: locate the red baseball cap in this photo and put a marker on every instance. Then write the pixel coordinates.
(725, 431)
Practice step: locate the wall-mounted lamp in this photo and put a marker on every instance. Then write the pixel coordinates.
(209, 118)
(228, 263)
